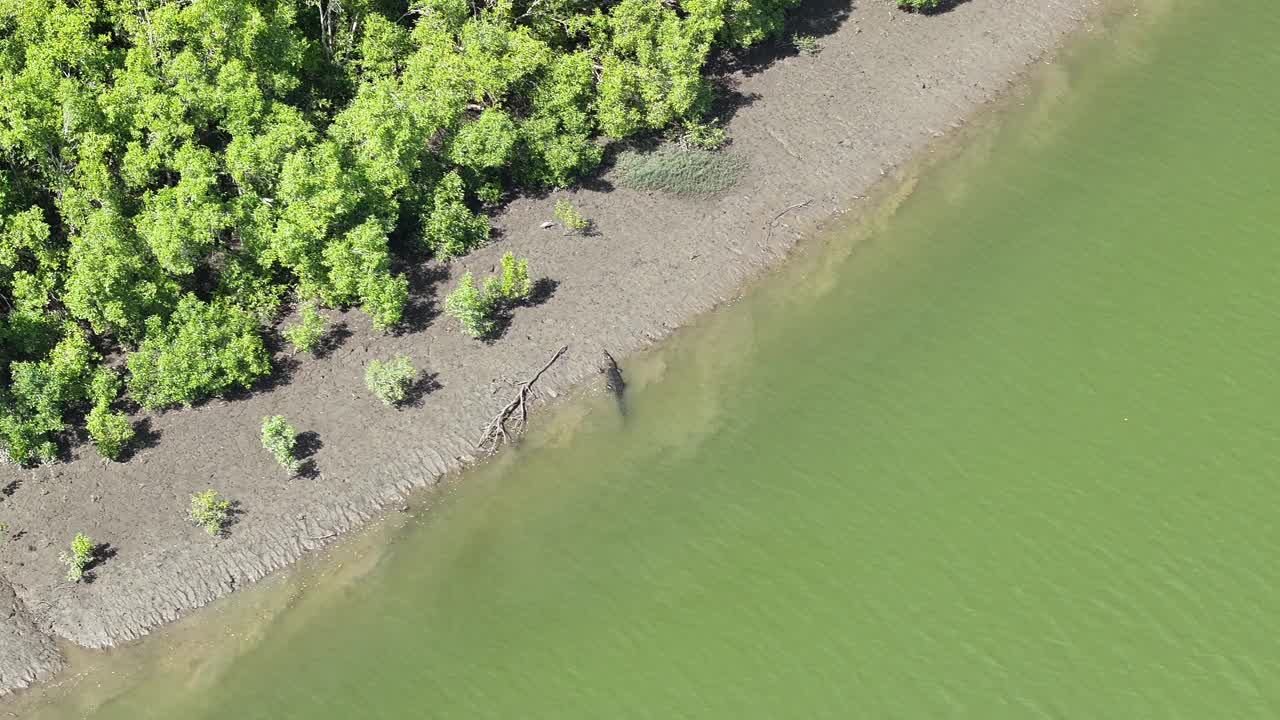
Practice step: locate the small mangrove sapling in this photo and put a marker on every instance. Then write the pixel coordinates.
(570, 218)
(79, 558)
(208, 511)
(390, 380)
(475, 308)
(281, 440)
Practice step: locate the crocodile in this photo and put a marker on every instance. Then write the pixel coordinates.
(613, 381)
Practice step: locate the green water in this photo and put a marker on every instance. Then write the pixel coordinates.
(1010, 452)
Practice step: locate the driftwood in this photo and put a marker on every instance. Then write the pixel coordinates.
(496, 432)
(773, 221)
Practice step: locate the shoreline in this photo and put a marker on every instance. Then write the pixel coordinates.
(822, 129)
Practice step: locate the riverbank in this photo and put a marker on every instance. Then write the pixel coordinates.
(821, 129)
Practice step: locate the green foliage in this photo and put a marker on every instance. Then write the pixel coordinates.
(703, 136)
(471, 307)
(114, 283)
(921, 5)
(359, 268)
(806, 44)
(305, 334)
(104, 386)
(110, 431)
(209, 512)
(513, 285)
(281, 440)
(557, 140)
(486, 142)
(181, 222)
(240, 150)
(452, 229)
(570, 218)
(750, 21)
(79, 558)
(390, 380)
(476, 308)
(683, 172)
(203, 350)
(39, 393)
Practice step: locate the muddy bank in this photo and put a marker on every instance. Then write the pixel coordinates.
(27, 654)
(821, 129)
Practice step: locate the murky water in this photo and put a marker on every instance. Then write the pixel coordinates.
(1011, 451)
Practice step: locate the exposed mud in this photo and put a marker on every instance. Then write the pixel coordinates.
(821, 129)
(29, 654)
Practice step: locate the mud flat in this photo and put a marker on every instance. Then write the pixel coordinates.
(817, 132)
(29, 654)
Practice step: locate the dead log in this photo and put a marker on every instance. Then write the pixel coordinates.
(496, 432)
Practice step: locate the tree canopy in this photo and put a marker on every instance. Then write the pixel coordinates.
(171, 170)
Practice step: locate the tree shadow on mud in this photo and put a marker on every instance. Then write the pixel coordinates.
(308, 444)
(145, 437)
(101, 553)
(235, 511)
(308, 470)
(425, 384)
(539, 293)
(818, 18)
(335, 338)
(421, 308)
(945, 6)
(284, 364)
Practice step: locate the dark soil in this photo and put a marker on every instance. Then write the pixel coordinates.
(822, 128)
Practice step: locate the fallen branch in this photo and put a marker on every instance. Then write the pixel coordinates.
(496, 431)
(773, 221)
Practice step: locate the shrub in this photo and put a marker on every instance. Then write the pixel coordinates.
(570, 218)
(682, 172)
(452, 229)
(704, 136)
(470, 307)
(486, 142)
(384, 300)
(514, 285)
(390, 380)
(79, 558)
(109, 430)
(806, 44)
(921, 5)
(39, 393)
(359, 265)
(475, 308)
(281, 440)
(104, 387)
(208, 511)
(204, 349)
(306, 333)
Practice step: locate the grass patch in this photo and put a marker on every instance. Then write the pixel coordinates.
(683, 172)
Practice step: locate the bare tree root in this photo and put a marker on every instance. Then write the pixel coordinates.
(497, 432)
